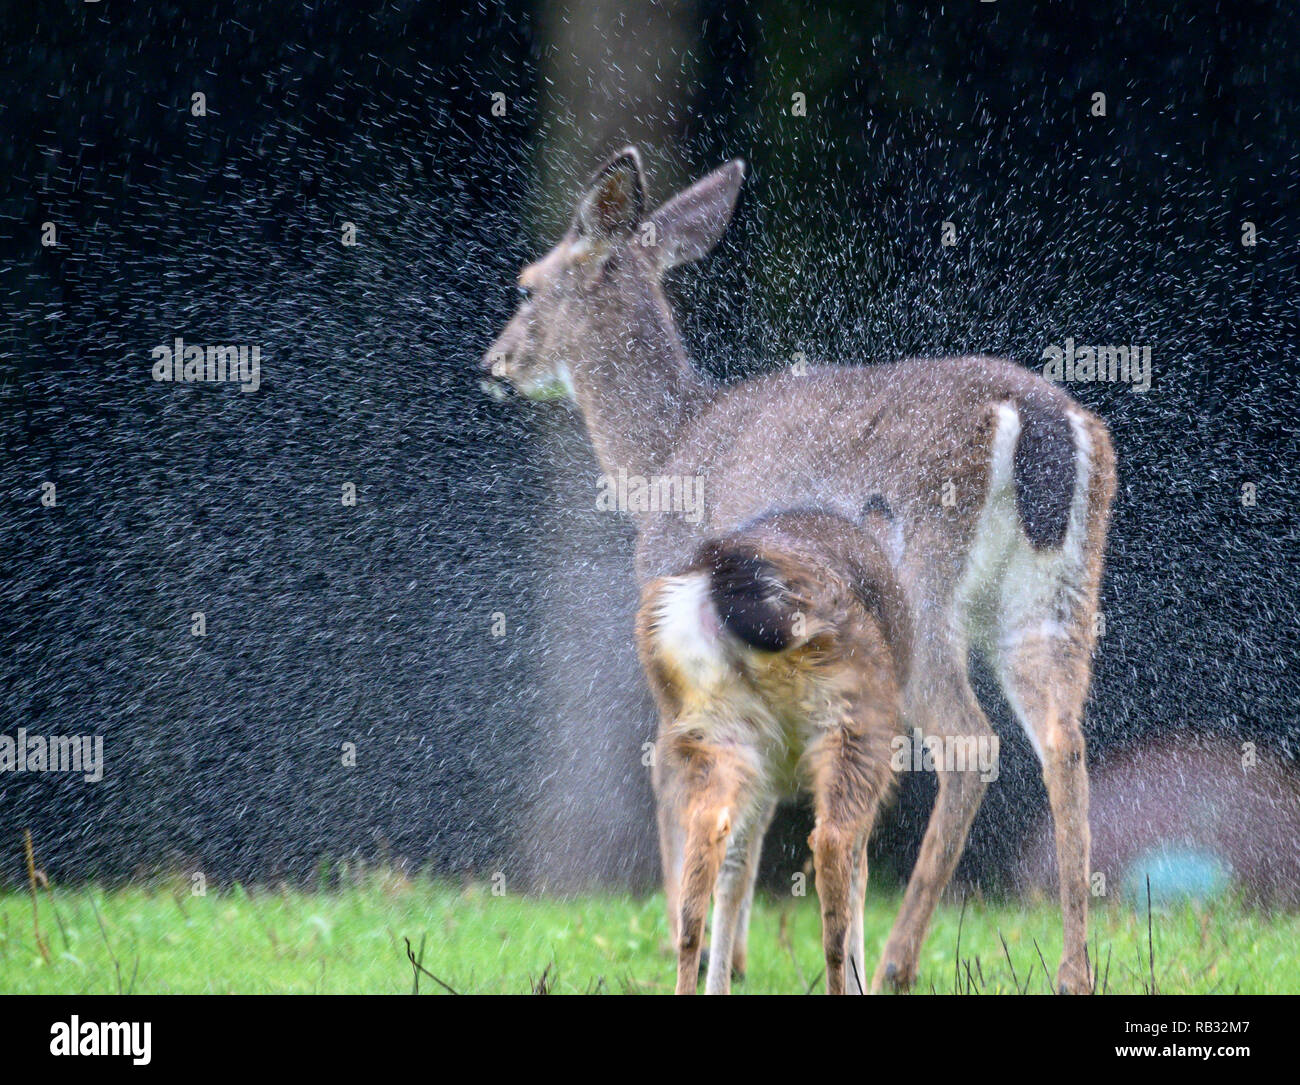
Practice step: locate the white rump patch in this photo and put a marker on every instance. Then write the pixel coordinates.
(997, 533)
(689, 631)
(1003, 458)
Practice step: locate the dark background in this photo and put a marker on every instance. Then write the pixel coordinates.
(371, 625)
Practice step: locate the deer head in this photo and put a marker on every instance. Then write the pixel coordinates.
(583, 299)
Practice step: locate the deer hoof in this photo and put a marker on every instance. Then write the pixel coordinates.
(892, 978)
(1073, 980)
(737, 974)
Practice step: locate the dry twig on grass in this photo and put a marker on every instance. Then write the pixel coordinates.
(31, 881)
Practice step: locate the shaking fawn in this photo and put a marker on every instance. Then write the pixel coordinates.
(776, 656)
(971, 491)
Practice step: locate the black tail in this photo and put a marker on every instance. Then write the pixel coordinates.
(1044, 472)
(749, 595)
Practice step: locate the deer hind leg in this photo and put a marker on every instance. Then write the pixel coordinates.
(945, 706)
(732, 897)
(669, 792)
(1046, 682)
(833, 847)
(857, 976)
(740, 950)
(715, 782)
(735, 880)
(850, 775)
(1043, 663)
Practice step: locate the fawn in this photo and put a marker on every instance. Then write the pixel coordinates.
(776, 656)
(864, 529)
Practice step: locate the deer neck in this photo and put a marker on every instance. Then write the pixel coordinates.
(634, 384)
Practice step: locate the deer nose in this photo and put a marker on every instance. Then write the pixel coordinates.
(494, 383)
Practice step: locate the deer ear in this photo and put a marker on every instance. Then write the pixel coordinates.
(614, 200)
(691, 223)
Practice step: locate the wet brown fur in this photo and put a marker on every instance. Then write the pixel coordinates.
(829, 706)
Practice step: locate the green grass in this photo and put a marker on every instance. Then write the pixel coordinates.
(163, 940)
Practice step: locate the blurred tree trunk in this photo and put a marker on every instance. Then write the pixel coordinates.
(611, 74)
